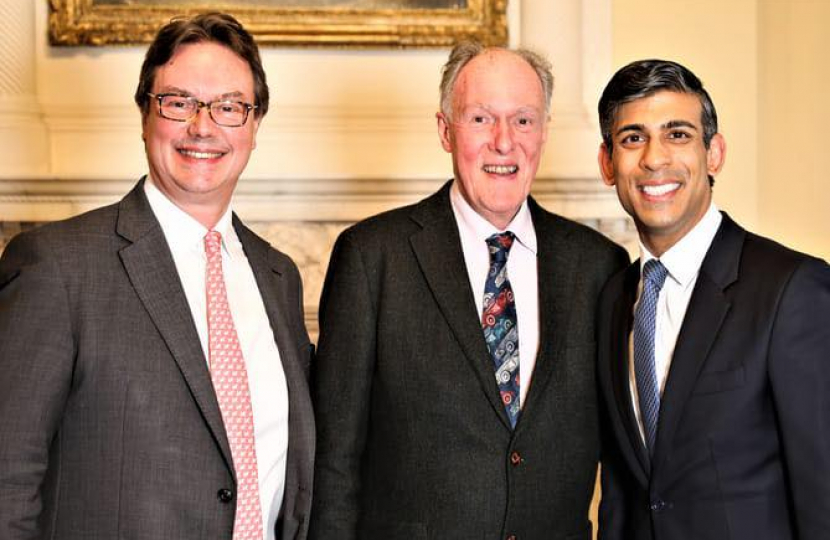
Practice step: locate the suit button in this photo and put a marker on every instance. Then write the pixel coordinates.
(225, 495)
(515, 458)
(658, 506)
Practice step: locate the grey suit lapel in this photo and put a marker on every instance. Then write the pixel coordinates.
(437, 246)
(558, 267)
(152, 272)
(705, 315)
(269, 272)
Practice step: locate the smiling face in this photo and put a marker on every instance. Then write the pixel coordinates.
(496, 133)
(660, 166)
(197, 163)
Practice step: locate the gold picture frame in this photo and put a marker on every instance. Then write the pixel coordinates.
(300, 23)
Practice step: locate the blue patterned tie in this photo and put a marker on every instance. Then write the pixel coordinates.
(499, 323)
(654, 275)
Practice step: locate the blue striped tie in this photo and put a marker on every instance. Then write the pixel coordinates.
(654, 275)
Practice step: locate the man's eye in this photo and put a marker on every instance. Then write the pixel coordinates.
(634, 138)
(477, 118)
(679, 135)
(176, 103)
(229, 107)
(526, 122)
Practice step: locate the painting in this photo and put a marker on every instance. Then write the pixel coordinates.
(300, 23)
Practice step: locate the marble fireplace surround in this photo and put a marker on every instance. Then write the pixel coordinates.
(305, 226)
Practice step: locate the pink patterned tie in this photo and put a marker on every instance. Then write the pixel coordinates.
(230, 380)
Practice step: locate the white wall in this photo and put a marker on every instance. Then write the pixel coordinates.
(718, 41)
(793, 182)
(764, 63)
(349, 133)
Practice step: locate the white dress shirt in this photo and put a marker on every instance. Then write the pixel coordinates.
(266, 379)
(521, 270)
(683, 261)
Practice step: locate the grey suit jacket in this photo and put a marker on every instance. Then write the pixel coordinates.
(413, 440)
(743, 438)
(109, 425)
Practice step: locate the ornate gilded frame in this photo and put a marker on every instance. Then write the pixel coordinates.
(87, 22)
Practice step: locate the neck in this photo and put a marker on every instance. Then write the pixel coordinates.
(207, 214)
(206, 208)
(656, 247)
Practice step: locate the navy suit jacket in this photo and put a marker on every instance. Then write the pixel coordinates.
(743, 437)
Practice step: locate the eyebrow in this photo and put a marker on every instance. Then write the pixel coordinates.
(679, 123)
(524, 109)
(187, 93)
(630, 127)
(671, 124)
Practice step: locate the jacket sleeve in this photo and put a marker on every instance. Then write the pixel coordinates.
(341, 386)
(800, 377)
(36, 362)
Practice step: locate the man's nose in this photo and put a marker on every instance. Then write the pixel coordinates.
(503, 137)
(201, 125)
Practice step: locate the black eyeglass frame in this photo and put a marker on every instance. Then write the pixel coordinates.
(202, 104)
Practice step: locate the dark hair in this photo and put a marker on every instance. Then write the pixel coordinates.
(213, 27)
(644, 78)
(465, 51)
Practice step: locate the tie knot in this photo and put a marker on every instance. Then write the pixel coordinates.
(500, 245)
(213, 243)
(655, 272)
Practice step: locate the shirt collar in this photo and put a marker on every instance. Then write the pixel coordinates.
(683, 260)
(472, 225)
(182, 231)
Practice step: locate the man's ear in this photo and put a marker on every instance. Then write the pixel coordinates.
(144, 127)
(716, 154)
(256, 130)
(606, 166)
(444, 132)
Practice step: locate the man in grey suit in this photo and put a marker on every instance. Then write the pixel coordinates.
(153, 352)
(454, 386)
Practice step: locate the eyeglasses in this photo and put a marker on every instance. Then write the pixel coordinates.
(225, 113)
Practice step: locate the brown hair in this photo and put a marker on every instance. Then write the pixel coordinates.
(213, 27)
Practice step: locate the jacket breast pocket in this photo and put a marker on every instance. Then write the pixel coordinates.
(719, 381)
